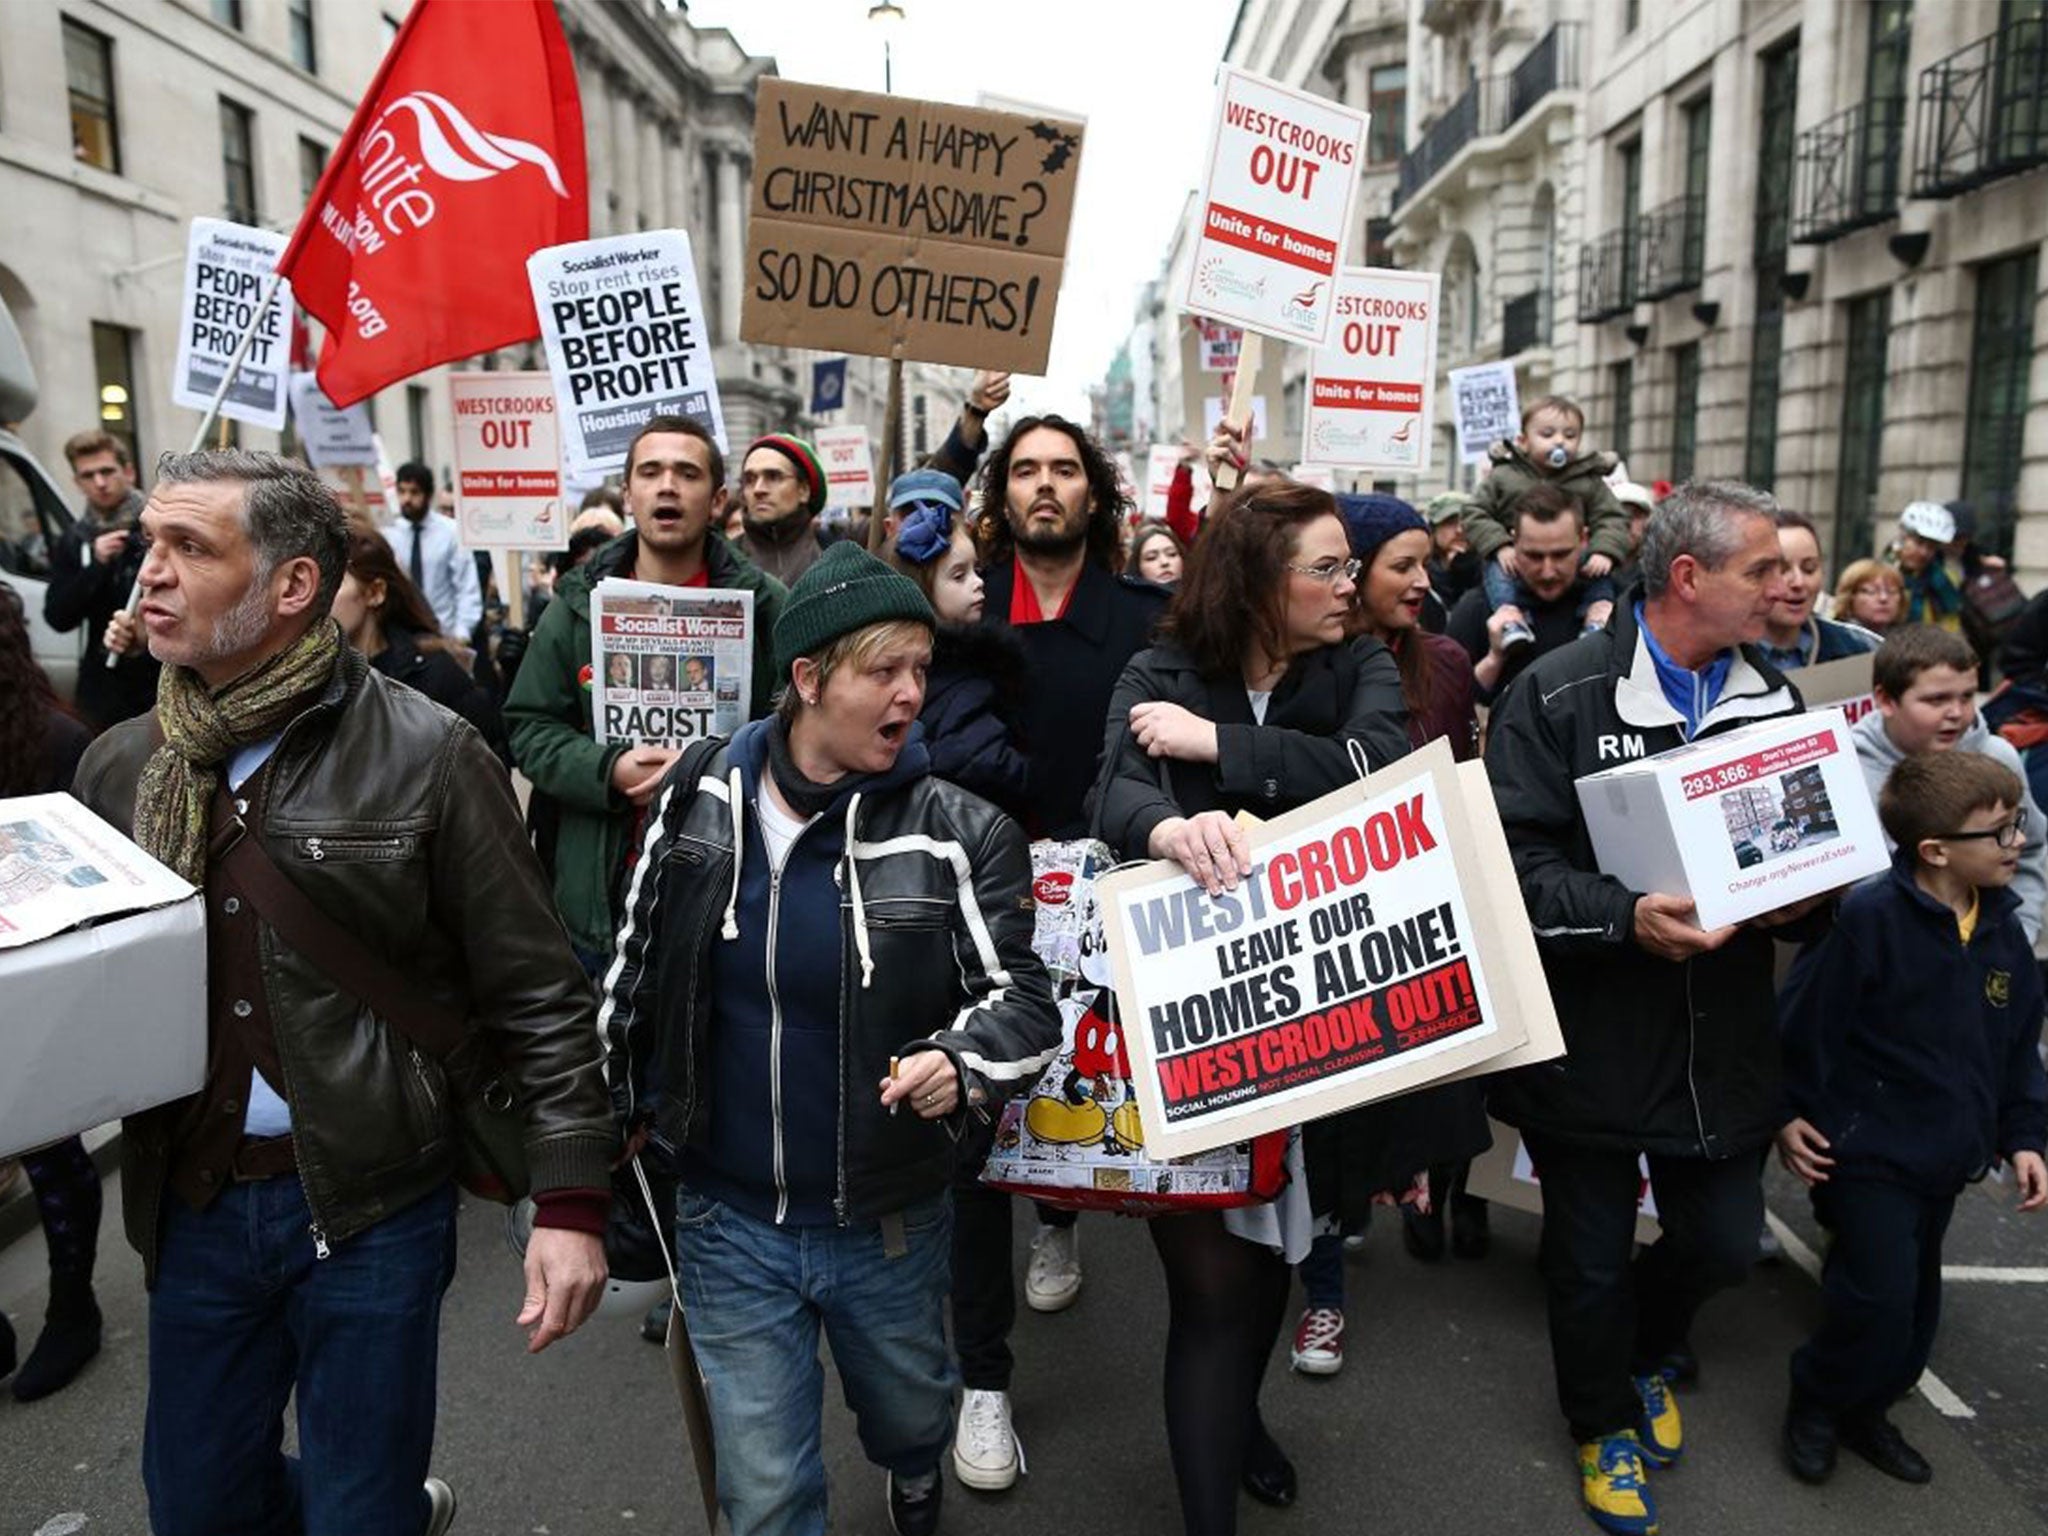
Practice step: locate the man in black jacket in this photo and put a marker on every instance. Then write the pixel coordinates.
(1052, 521)
(296, 1216)
(92, 571)
(1670, 1031)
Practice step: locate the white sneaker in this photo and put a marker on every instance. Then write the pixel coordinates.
(440, 1507)
(986, 1452)
(1053, 1280)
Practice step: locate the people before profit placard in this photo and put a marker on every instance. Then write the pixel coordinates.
(1925, 682)
(429, 549)
(92, 572)
(825, 975)
(1670, 1032)
(1050, 528)
(973, 693)
(782, 491)
(1253, 699)
(1550, 545)
(675, 490)
(1796, 636)
(1912, 1066)
(40, 745)
(296, 1217)
(1419, 1145)
(1547, 451)
(383, 615)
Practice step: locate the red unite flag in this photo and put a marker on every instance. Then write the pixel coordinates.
(465, 157)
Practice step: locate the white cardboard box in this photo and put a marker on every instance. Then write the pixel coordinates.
(103, 969)
(1744, 823)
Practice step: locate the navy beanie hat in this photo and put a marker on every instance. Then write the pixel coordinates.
(1372, 519)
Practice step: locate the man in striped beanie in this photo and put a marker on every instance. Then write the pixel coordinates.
(782, 491)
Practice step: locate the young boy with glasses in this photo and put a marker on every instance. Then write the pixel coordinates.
(1912, 1065)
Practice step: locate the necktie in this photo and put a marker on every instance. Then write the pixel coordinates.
(419, 533)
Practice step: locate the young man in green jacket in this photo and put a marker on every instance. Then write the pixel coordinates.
(675, 495)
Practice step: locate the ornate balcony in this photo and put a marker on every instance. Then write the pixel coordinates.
(1982, 111)
(1607, 278)
(1552, 65)
(1492, 106)
(1670, 248)
(1847, 171)
(1446, 136)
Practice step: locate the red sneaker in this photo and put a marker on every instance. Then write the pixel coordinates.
(1319, 1342)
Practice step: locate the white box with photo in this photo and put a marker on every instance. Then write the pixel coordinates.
(1744, 822)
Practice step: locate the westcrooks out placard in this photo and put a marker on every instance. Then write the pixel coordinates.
(897, 227)
(1371, 386)
(1275, 208)
(508, 461)
(1369, 952)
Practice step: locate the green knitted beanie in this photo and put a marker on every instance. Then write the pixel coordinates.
(847, 589)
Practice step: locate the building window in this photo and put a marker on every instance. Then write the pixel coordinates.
(312, 166)
(228, 13)
(1772, 230)
(1884, 104)
(1621, 384)
(1766, 357)
(238, 160)
(299, 17)
(1630, 162)
(113, 363)
(1387, 101)
(1631, 16)
(416, 421)
(1377, 251)
(1699, 126)
(1869, 321)
(89, 72)
(1685, 409)
(2001, 347)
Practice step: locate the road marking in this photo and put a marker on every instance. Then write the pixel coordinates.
(1940, 1396)
(1995, 1274)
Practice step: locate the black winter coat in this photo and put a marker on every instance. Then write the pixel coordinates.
(84, 593)
(1674, 1058)
(1327, 699)
(1074, 663)
(973, 699)
(441, 678)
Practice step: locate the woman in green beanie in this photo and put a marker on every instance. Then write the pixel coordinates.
(825, 971)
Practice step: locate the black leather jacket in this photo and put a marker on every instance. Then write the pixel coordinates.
(395, 819)
(935, 908)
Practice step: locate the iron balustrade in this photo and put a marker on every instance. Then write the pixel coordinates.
(1848, 171)
(1492, 105)
(1606, 276)
(1982, 113)
(1670, 248)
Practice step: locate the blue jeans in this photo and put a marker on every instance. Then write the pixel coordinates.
(244, 1313)
(755, 1296)
(1322, 1272)
(1503, 589)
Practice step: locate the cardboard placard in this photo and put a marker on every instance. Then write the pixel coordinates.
(1371, 387)
(333, 436)
(1743, 822)
(1487, 407)
(1274, 208)
(905, 228)
(226, 266)
(1205, 395)
(1219, 345)
(1321, 476)
(1844, 683)
(1161, 461)
(849, 465)
(1365, 956)
(627, 339)
(508, 461)
(1504, 1175)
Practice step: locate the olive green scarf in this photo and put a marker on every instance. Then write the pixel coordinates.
(203, 729)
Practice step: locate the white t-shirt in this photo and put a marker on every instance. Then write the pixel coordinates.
(1259, 702)
(778, 828)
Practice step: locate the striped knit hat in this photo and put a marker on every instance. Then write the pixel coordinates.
(803, 456)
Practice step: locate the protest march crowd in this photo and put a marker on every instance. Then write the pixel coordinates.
(774, 1008)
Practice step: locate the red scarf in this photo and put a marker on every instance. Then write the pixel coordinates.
(1024, 607)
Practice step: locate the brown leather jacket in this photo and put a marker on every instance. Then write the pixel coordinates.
(397, 820)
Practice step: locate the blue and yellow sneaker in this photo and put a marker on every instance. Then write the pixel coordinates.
(1613, 1486)
(1661, 1435)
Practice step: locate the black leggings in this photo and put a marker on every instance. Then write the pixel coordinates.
(1226, 1301)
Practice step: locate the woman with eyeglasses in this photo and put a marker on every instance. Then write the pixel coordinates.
(1871, 595)
(1253, 699)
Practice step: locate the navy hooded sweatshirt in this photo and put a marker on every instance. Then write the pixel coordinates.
(1916, 1055)
(773, 1146)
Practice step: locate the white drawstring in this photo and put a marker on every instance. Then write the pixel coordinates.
(1360, 764)
(730, 929)
(860, 921)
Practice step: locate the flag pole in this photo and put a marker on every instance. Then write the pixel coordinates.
(227, 378)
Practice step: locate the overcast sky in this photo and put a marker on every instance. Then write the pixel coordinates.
(1141, 71)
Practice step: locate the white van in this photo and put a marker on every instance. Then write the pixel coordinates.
(33, 514)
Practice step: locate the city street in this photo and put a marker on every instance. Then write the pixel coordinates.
(1442, 1420)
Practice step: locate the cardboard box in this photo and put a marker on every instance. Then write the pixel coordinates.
(103, 965)
(1744, 822)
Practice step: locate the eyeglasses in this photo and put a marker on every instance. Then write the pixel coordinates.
(1329, 570)
(2012, 835)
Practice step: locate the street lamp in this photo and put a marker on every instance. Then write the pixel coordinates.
(888, 14)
